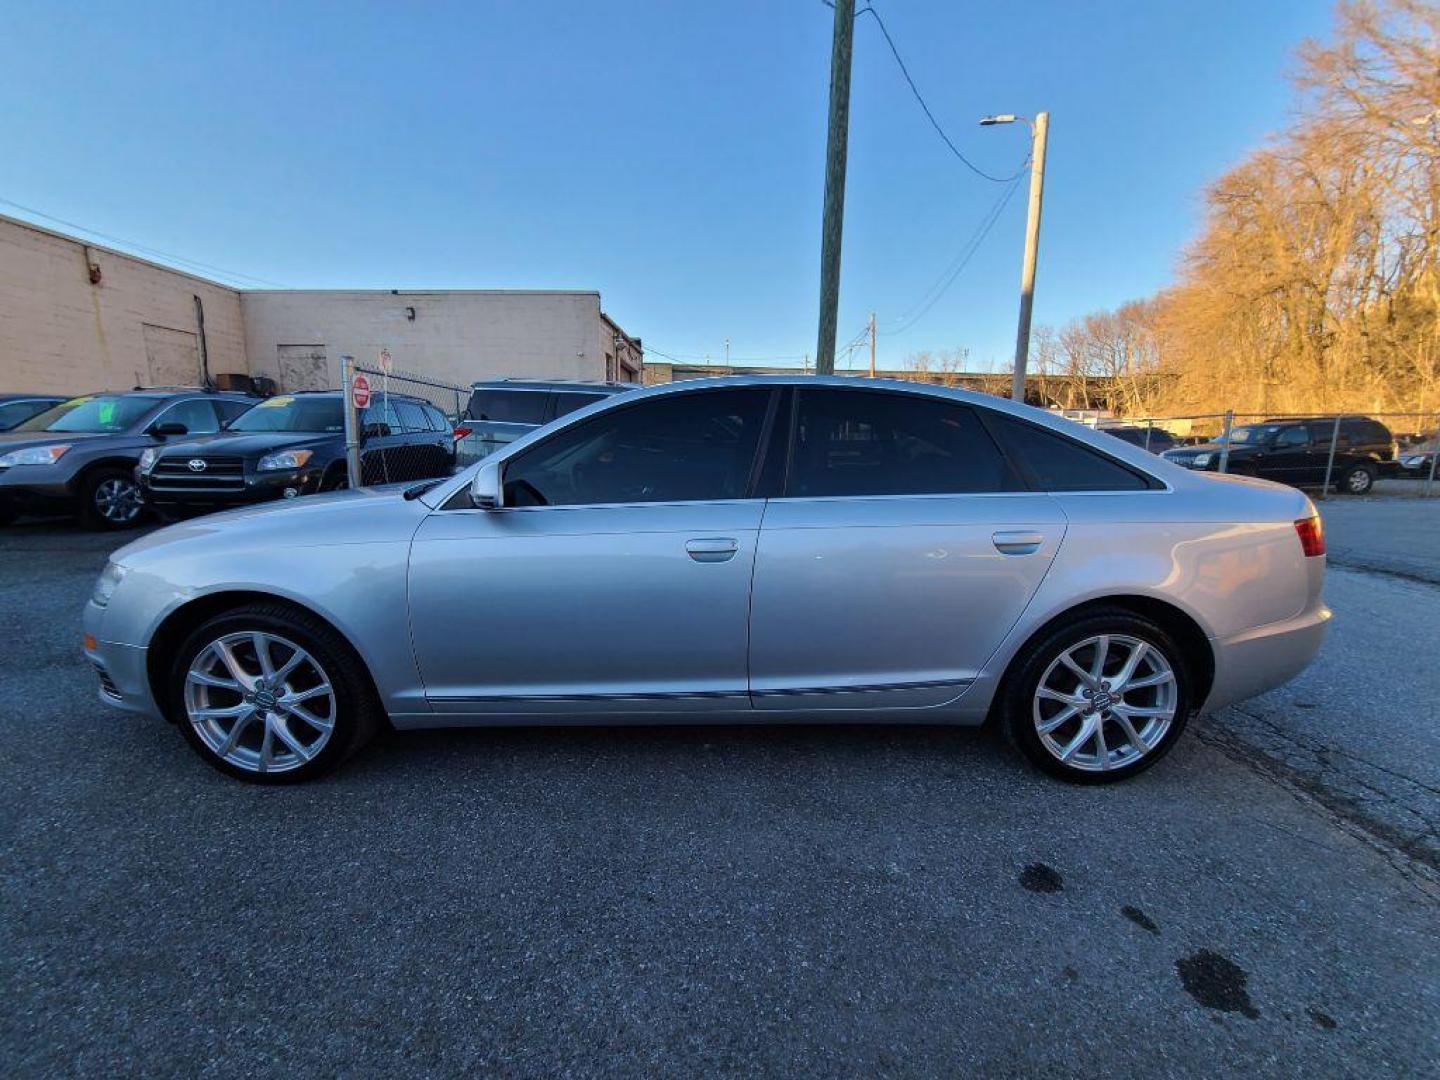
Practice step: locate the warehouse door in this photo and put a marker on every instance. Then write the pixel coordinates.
(173, 356)
(302, 367)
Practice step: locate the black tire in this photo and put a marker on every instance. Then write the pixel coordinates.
(99, 511)
(1357, 480)
(7, 516)
(1017, 700)
(357, 714)
(337, 479)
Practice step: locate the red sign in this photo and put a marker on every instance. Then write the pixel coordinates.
(360, 390)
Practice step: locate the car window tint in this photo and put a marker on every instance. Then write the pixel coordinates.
(685, 447)
(232, 410)
(1293, 437)
(1062, 464)
(380, 418)
(509, 406)
(853, 442)
(12, 412)
(436, 419)
(412, 418)
(568, 401)
(198, 416)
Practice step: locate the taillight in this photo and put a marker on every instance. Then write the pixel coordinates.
(1312, 536)
(461, 432)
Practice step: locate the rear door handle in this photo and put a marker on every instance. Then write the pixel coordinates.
(1018, 543)
(712, 548)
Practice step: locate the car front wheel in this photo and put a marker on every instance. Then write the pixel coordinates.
(270, 694)
(110, 499)
(1099, 698)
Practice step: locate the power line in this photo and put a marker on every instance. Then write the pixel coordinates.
(680, 358)
(235, 275)
(920, 99)
(942, 284)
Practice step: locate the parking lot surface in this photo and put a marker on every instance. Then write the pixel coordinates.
(826, 901)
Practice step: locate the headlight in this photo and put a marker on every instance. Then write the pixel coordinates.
(1201, 460)
(147, 459)
(34, 455)
(285, 459)
(107, 583)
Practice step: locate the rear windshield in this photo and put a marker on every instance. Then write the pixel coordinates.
(321, 414)
(508, 406)
(103, 413)
(569, 401)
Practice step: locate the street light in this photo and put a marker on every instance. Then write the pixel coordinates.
(1039, 130)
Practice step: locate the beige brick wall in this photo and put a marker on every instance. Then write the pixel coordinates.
(61, 334)
(456, 336)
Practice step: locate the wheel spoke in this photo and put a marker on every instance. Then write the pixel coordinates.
(1080, 672)
(1131, 735)
(296, 659)
(221, 714)
(1102, 653)
(1084, 735)
(306, 695)
(232, 664)
(1101, 750)
(1055, 695)
(1143, 710)
(232, 737)
(267, 744)
(1132, 662)
(262, 654)
(1158, 679)
(310, 718)
(294, 745)
(204, 678)
(1047, 726)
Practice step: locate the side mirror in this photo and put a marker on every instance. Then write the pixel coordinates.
(486, 490)
(168, 429)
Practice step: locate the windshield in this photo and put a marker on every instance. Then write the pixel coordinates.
(323, 414)
(106, 413)
(1254, 433)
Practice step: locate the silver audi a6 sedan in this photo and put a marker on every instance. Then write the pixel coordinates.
(756, 549)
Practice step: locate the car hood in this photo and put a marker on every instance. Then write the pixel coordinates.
(359, 516)
(1204, 448)
(19, 440)
(247, 444)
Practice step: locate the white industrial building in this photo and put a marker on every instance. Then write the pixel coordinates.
(76, 317)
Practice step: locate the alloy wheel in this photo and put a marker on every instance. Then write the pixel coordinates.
(1358, 482)
(118, 500)
(260, 702)
(1105, 702)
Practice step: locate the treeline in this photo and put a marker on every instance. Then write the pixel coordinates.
(1314, 283)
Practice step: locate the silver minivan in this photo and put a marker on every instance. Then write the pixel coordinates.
(501, 410)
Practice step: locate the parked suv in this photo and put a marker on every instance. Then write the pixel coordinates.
(500, 411)
(295, 445)
(1297, 452)
(15, 409)
(79, 457)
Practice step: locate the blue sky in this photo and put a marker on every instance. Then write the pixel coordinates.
(668, 154)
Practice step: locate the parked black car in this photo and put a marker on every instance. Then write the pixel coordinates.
(15, 409)
(1156, 440)
(295, 445)
(79, 457)
(502, 410)
(1297, 451)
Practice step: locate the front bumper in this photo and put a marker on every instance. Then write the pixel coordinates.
(122, 669)
(258, 488)
(35, 487)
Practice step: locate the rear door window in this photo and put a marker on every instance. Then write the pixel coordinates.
(412, 417)
(509, 406)
(1057, 463)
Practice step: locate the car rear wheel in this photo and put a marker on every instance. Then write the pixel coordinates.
(1098, 699)
(110, 499)
(272, 695)
(1358, 480)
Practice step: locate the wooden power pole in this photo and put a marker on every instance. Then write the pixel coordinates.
(835, 184)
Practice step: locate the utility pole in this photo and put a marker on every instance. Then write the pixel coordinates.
(1039, 131)
(872, 344)
(834, 184)
(727, 352)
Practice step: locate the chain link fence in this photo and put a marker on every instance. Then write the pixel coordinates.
(1348, 453)
(406, 430)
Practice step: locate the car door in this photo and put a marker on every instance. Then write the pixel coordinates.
(424, 449)
(615, 578)
(1289, 458)
(903, 549)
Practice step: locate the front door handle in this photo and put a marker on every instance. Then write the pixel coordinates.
(1018, 543)
(712, 548)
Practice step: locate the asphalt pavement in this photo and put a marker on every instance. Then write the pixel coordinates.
(763, 900)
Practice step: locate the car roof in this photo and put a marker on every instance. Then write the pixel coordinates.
(554, 385)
